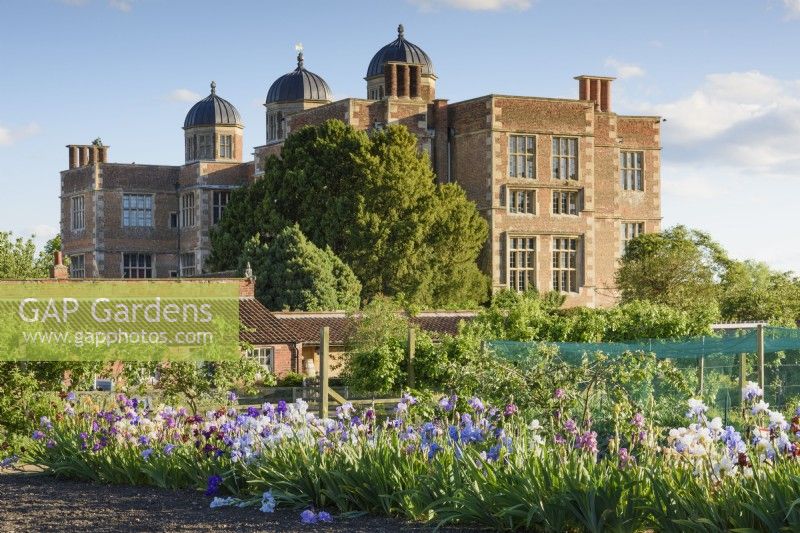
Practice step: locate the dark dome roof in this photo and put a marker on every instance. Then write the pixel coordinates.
(299, 84)
(402, 51)
(212, 110)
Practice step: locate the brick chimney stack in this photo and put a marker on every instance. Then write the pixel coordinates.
(597, 89)
(59, 269)
(86, 154)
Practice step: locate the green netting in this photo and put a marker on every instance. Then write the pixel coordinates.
(730, 342)
(723, 358)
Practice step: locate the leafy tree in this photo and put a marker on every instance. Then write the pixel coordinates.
(678, 267)
(19, 260)
(752, 291)
(376, 350)
(292, 273)
(374, 201)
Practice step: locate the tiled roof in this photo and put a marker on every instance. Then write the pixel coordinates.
(261, 326)
(306, 325)
(279, 327)
(442, 322)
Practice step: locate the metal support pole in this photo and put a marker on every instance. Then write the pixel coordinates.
(760, 352)
(324, 337)
(701, 367)
(412, 346)
(742, 377)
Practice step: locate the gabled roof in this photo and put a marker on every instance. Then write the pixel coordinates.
(261, 326)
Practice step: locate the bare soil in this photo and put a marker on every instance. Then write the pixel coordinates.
(31, 501)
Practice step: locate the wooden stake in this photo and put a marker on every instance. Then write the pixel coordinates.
(324, 336)
(760, 352)
(412, 347)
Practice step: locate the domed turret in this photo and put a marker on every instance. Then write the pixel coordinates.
(401, 69)
(295, 91)
(213, 130)
(299, 84)
(212, 110)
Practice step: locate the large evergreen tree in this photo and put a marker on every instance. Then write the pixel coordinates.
(292, 273)
(374, 201)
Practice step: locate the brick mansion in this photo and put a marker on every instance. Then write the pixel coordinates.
(562, 183)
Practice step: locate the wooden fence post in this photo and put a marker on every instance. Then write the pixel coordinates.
(324, 337)
(412, 346)
(760, 352)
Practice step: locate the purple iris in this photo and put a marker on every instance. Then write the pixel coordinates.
(476, 404)
(308, 517)
(494, 452)
(281, 409)
(38, 435)
(433, 450)
(213, 485)
(322, 516)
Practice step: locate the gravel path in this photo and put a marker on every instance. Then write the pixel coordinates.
(38, 502)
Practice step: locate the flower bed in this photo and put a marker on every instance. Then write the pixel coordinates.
(470, 464)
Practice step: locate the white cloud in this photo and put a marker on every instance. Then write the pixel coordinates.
(183, 95)
(792, 8)
(473, 5)
(745, 121)
(121, 5)
(730, 163)
(624, 70)
(689, 186)
(9, 136)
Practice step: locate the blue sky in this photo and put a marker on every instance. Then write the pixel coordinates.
(723, 73)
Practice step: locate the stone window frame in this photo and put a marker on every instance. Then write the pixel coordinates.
(631, 176)
(205, 146)
(136, 215)
(527, 156)
(561, 204)
(226, 146)
(78, 212)
(188, 211)
(188, 269)
(521, 261)
(275, 126)
(264, 356)
(217, 207)
(560, 160)
(531, 203)
(77, 266)
(629, 230)
(567, 252)
(143, 266)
